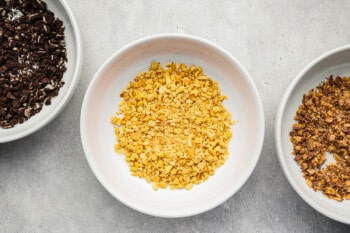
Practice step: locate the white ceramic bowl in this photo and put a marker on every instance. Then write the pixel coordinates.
(71, 77)
(101, 102)
(336, 62)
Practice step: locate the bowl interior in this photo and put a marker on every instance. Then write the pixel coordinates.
(334, 63)
(71, 76)
(101, 102)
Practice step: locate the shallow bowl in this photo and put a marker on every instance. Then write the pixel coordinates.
(101, 102)
(335, 62)
(71, 77)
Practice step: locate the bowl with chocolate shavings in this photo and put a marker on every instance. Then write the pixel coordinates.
(172, 125)
(312, 134)
(40, 63)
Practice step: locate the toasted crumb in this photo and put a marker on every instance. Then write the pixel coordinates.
(172, 127)
(323, 126)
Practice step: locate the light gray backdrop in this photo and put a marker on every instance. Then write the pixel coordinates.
(46, 184)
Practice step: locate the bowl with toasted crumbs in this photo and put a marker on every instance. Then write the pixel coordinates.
(313, 134)
(41, 59)
(172, 125)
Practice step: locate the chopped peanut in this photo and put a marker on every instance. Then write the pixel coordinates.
(172, 126)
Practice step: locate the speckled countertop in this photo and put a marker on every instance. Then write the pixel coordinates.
(46, 184)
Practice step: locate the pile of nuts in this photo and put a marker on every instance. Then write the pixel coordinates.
(32, 59)
(323, 126)
(172, 126)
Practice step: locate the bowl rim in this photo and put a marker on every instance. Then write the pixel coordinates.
(70, 91)
(120, 52)
(278, 126)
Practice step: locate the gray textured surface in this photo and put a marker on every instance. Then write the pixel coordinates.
(46, 184)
